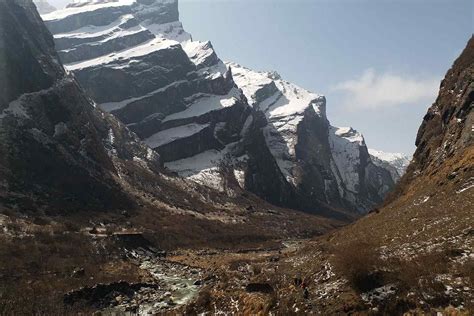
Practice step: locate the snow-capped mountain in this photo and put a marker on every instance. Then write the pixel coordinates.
(318, 160)
(396, 163)
(221, 125)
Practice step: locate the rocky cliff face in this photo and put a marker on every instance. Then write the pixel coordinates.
(445, 138)
(62, 155)
(257, 132)
(447, 128)
(323, 165)
(56, 149)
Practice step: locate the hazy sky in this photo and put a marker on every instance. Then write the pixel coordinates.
(379, 63)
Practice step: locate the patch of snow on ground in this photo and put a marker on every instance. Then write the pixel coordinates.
(379, 294)
(214, 71)
(422, 200)
(249, 81)
(197, 51)
(298, 101)
(466, 186)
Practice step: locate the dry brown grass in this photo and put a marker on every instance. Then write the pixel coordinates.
(37, 270)
(361, 265)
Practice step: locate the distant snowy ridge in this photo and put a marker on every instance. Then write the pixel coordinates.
(297, 122)
(398, 161)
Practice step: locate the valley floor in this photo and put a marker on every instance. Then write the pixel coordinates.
(413, 256)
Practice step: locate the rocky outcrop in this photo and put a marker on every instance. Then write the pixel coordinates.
(257, 133)
(447, 126)
(445, 138)
(27, 65)
(57, 151)
(104, 295)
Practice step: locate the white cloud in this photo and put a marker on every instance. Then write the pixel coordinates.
(373, 91)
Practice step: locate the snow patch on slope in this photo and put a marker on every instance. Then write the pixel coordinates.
(96, 31)
(249, 81)
(82, 7)
(204, 168)
(128, 54)
(172, 134)
(345, 145)
(172, 31)
(112, 106)
(295, 101)
(198, 52)
(207, 103)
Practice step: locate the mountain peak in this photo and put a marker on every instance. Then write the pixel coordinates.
(396, 163)
(350, 134)
(222, 125)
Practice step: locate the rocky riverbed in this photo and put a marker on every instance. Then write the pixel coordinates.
(175, 282)
(176, 285)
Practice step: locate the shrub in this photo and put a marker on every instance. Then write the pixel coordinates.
(256, 269)
(35, 271)
(361, 266)
(424, 266)
(235, 265)
(71, 226)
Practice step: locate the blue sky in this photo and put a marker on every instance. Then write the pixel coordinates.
(379, 63)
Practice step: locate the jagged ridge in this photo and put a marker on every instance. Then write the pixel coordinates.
(136, 61)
